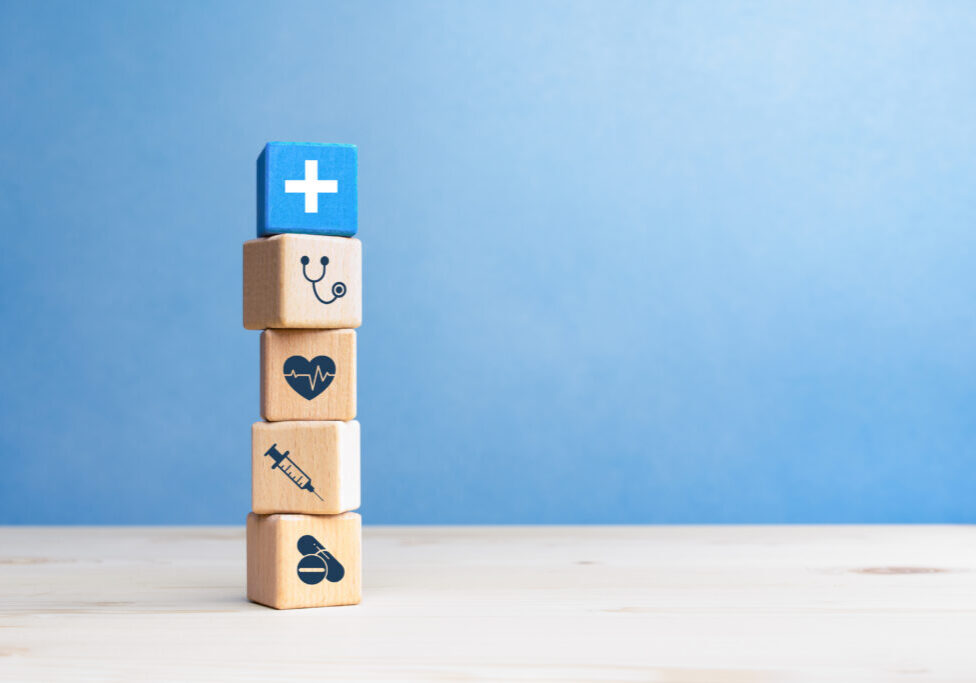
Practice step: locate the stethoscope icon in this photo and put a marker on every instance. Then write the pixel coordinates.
(338, 288)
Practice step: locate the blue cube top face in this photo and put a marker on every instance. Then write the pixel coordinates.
(309, 188)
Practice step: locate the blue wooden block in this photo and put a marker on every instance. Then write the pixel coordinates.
(308, 187)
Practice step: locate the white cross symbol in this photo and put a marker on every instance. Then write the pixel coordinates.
(311, 186)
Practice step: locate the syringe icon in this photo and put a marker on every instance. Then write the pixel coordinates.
(291, 470)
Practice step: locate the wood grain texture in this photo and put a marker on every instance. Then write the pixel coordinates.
(274, 552)
(672, 604)
(277, 294)
(279, 401)
(326, 451)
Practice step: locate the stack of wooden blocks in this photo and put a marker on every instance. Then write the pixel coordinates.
(303, 288)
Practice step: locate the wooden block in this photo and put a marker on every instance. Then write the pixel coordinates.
(308, 375)
(309, 467)
(304, 281)
(304, 560)
(308, 187)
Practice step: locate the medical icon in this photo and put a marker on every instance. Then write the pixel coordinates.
(311, 186)
(291, 470)
(338, 288)
(317, 563)
(309, 378)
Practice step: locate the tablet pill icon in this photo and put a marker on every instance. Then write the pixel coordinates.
(311, 569)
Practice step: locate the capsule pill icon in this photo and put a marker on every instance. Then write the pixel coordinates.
(317, 563)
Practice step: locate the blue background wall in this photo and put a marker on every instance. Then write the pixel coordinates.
(625, 262)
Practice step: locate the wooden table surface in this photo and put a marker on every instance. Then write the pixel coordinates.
(683, 604)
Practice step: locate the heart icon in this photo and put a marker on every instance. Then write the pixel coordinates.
(309, 378)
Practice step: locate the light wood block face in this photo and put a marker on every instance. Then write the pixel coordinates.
(308, 375)
(304, 560)
(282, 285)
(309, 467)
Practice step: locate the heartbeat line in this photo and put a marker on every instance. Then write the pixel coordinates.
(314, 379)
